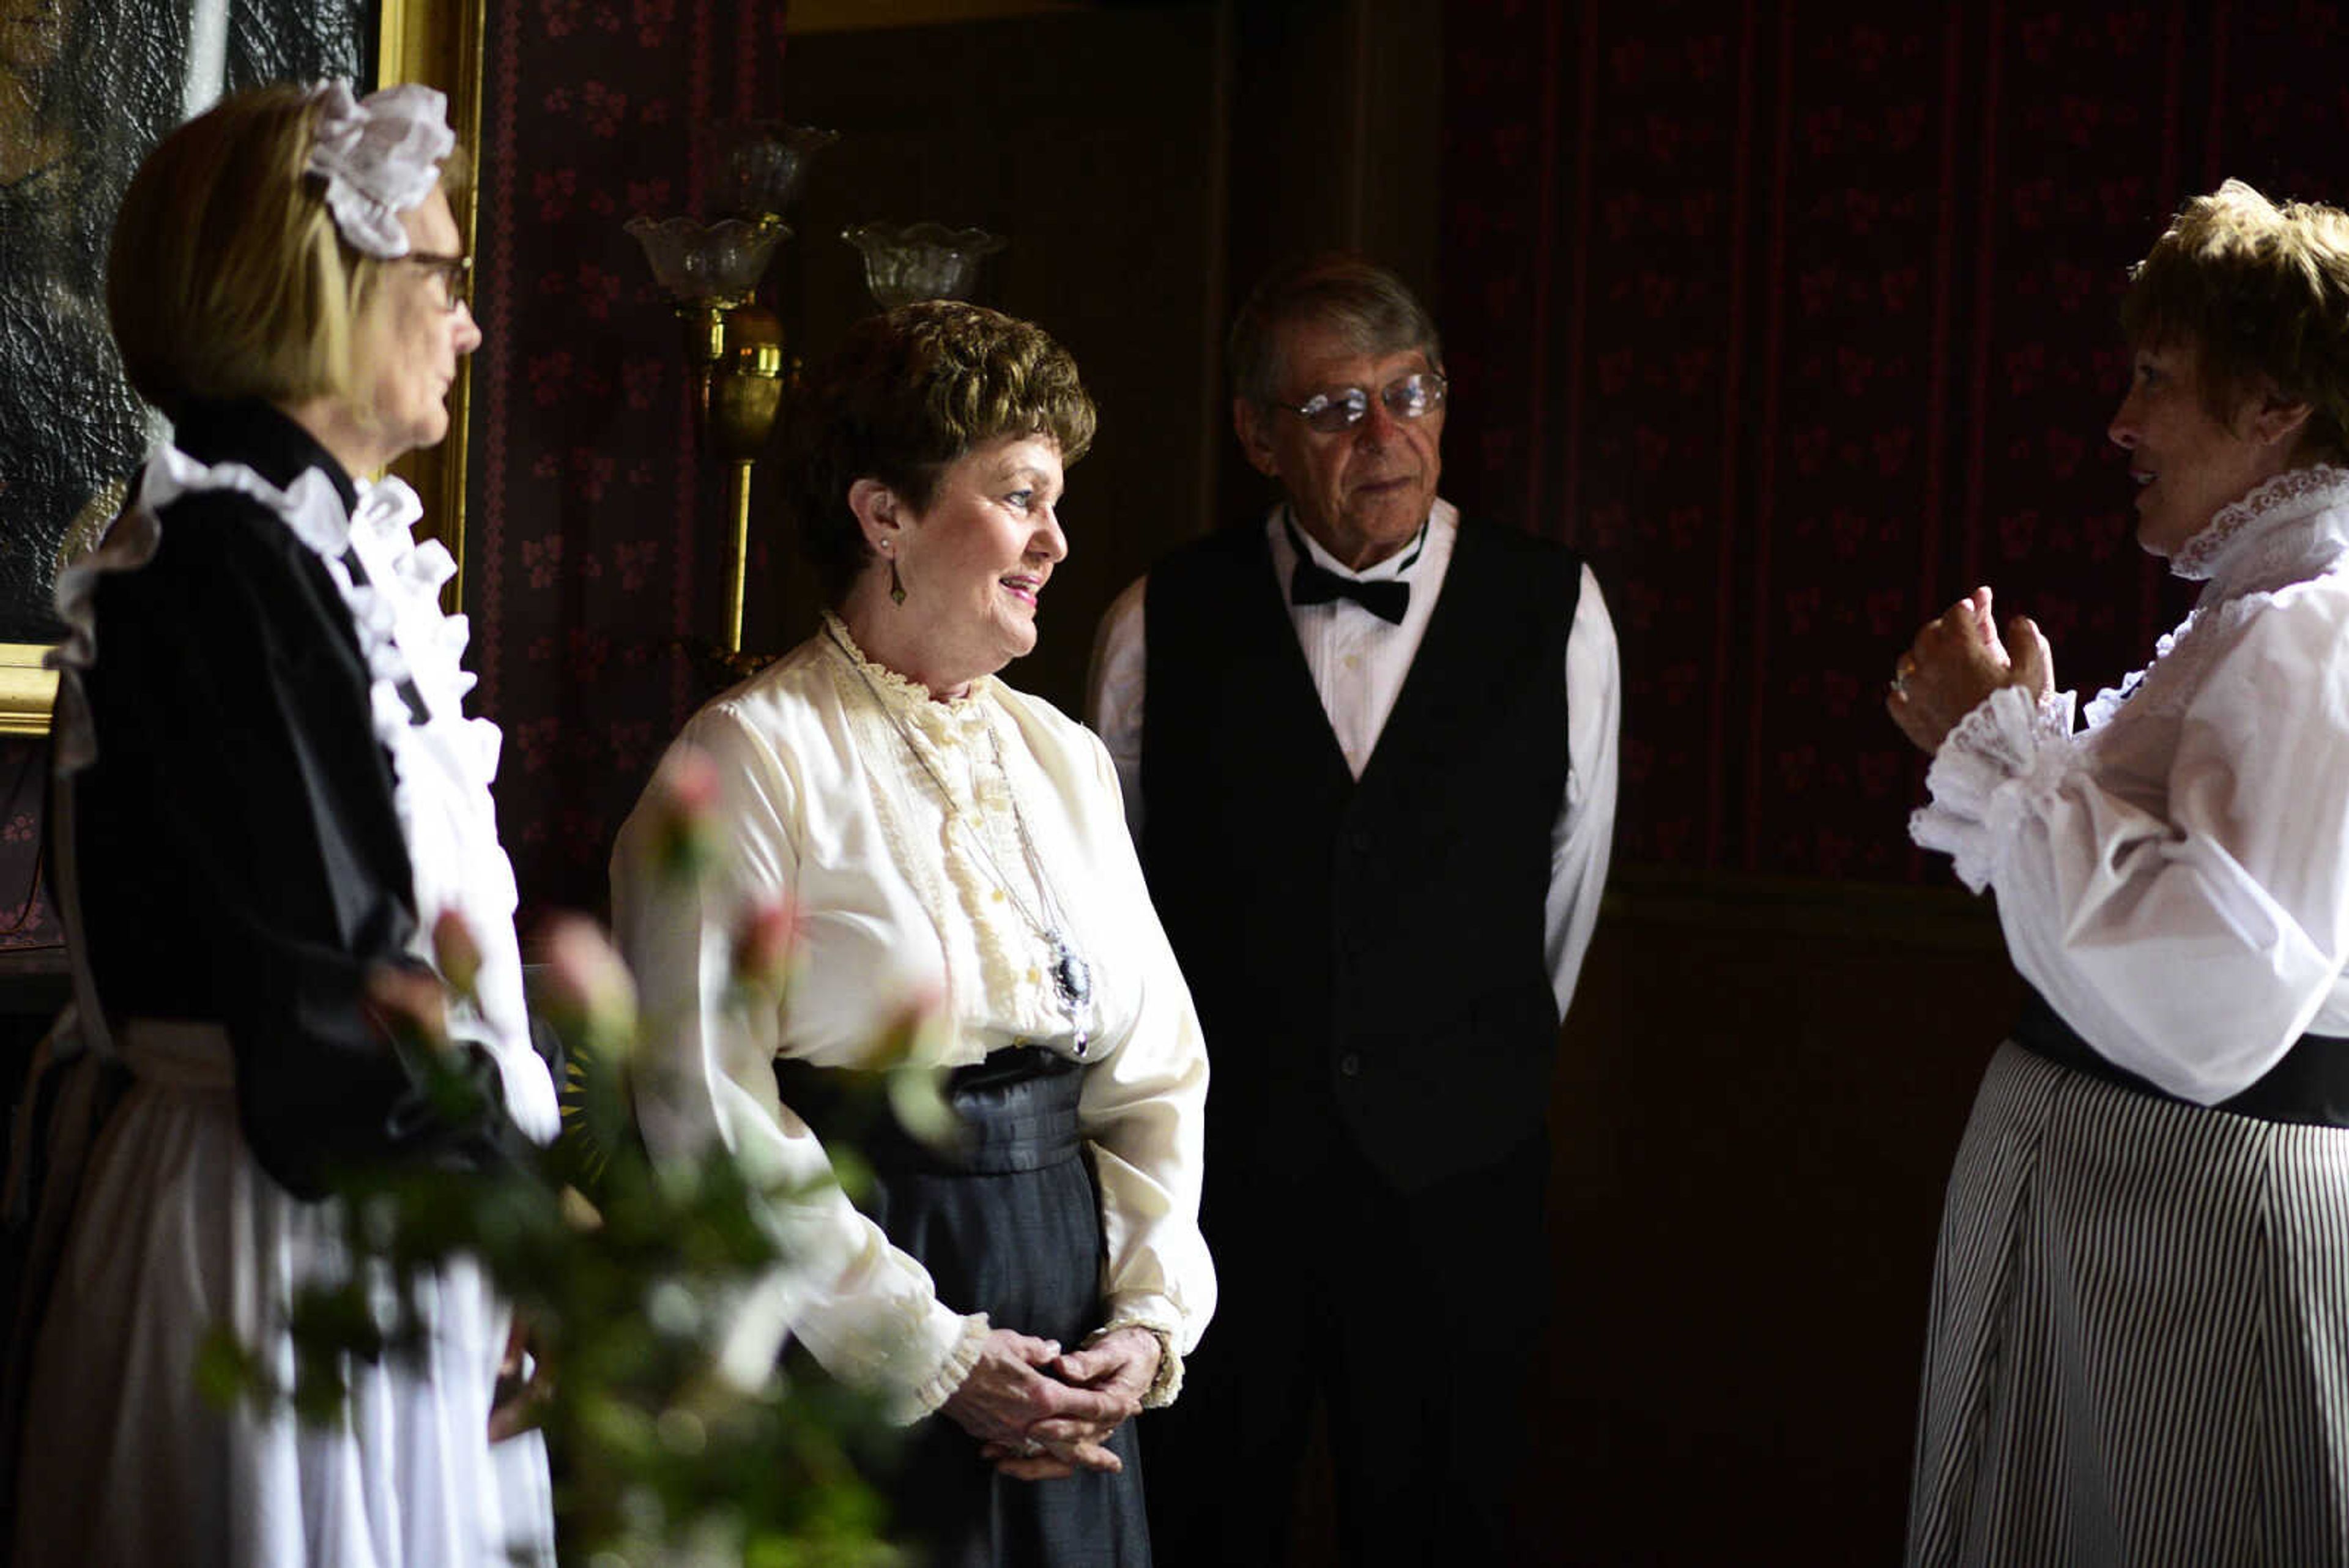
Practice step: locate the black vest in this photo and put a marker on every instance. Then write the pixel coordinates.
(1367, 957)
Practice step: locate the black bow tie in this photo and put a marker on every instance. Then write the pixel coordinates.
(1314, 584)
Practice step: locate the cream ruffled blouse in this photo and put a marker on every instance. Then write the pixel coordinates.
(886, 819)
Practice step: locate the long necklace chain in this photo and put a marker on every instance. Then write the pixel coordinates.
(1072, 975)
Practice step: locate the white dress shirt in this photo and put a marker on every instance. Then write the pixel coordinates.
(834, 777)
(1358, 662)
(2174, 878)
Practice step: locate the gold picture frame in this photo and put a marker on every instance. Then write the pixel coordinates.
(437, 42)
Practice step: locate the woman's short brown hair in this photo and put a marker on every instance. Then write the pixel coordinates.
(227, 277)
(906, 394)
(2261, 294)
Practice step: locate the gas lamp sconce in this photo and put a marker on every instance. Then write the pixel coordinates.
(733, 345)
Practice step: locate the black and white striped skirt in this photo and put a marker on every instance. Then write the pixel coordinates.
(2138, 1353)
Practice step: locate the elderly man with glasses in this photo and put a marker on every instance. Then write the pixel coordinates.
(1374, 786)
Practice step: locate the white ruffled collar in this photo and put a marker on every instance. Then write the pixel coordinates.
(2290, 529)
(2287, 529)
(407, 640)
(442, 763)
(311, 509)
(909, 702)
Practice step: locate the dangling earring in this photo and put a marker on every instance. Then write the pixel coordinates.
(896, 584)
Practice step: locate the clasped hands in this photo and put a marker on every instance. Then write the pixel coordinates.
(1039, 1413)
(1957, 660)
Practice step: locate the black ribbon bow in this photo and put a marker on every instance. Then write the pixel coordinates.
(1314, 584)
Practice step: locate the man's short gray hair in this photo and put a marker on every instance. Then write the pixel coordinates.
(1368, 306)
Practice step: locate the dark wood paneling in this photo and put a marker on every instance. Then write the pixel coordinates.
(1090, 140)
(1761, 1087)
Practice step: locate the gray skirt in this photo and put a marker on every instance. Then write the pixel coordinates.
(1010, 1224)
(2138, 1351)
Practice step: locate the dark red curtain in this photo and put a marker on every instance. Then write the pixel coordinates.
(1800, 321)
(591, 512)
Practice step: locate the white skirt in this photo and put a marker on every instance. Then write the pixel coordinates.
(2138, 1352)
(176, 1229)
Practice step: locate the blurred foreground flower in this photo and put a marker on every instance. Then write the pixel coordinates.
(659, 1299)
(766, 952)
(587, 992)
(411, 1005)
(456, 952)
(684, 793)
(917, 1089)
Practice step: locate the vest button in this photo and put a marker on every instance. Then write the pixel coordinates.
(1349, 1066)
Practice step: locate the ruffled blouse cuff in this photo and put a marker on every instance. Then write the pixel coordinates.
(2000, 766)
(1168, 1381)
(924, 1398)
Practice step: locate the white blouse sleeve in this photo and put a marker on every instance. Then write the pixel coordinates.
(2190, 949)
(1143, 1111)
(1114, 694)
(868, 1312)
(1582, 838)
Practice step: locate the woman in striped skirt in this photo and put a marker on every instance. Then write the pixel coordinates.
(2139, 1342)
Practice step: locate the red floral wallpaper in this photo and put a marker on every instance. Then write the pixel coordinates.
(27, 919)
(1800, 321)
(591, 516)
(595, 527)
(1797, 320)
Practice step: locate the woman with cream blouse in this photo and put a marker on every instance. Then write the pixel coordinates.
(946, 842)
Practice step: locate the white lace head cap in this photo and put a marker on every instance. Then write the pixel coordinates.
(380, 156)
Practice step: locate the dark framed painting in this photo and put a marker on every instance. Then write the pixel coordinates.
(85, 88)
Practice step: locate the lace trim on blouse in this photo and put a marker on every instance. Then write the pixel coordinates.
(2295, 494)
(907, 699)
(1999, 767)
(2290, 530)
(952, 1373)
(1166, 1382)
(955, 743)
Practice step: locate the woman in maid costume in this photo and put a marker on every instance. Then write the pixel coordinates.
(1017, 1293)
(266, 795)
(2138, 1351)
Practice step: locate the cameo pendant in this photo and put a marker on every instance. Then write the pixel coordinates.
(1074, 978)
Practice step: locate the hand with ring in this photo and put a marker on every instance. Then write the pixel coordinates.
(1123, 1363)
(1018, 1386)
(1957, 660)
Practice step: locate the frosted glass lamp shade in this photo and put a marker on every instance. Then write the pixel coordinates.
(709, 264)
(920, 261)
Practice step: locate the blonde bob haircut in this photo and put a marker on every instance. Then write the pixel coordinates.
(2260, 292)
(227, 277)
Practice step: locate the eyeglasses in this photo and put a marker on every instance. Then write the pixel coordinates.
(455, 273)
(1413, 397)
